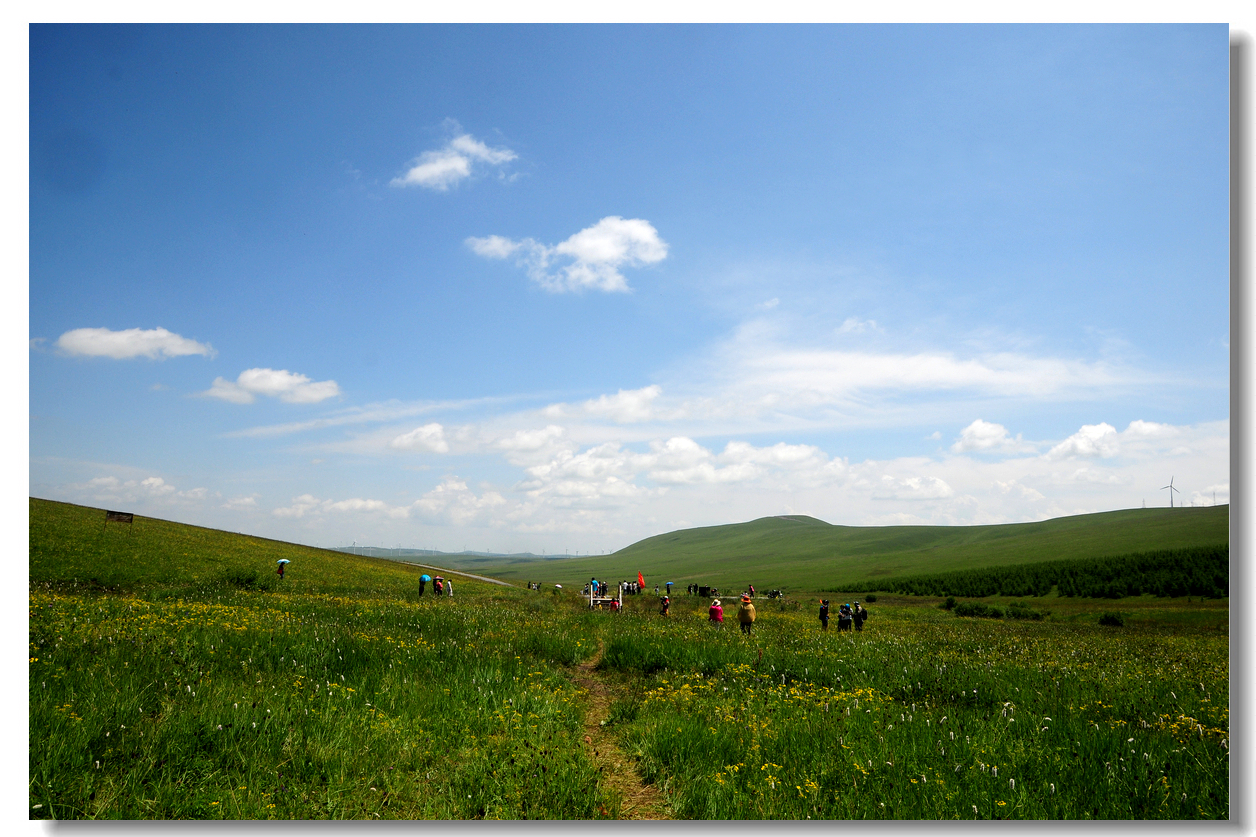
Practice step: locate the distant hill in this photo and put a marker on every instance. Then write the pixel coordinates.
(800, 552)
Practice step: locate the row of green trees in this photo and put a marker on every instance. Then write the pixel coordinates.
(1197, 571)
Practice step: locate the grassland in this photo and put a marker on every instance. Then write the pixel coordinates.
(798, 552)
(173, 675)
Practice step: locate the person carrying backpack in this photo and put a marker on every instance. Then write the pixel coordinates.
(861, 616)
(844, 617)
(824, 614)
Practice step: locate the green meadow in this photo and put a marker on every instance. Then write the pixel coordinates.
(173, 675)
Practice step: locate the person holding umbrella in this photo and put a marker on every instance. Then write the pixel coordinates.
(423, 580)
(282, 562)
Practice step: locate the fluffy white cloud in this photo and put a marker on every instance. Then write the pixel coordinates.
(454, 503)
(155, 343)
(1091, 442)
(593, 257)
(985, 436)
(135, 491)
(429, 437)
(289, 387)
(442, 168)
(625, 406)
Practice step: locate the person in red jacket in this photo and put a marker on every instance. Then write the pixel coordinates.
(715, 614)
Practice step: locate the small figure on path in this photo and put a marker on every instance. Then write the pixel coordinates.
(752, 591)
(824, 614)
(745, 615)
(715, 614)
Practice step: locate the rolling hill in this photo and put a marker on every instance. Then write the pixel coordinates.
(796, 551)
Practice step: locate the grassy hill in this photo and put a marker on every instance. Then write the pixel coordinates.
(71, 546)
(802, 552)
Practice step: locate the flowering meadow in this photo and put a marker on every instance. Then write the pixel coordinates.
(339, 692)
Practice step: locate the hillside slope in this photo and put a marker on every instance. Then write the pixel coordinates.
(71, 545)
(802, 552)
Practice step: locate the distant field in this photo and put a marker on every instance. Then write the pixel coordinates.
(802, 552)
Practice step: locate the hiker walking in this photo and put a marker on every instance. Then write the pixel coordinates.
(715, 614)
(664, 604)
(861, 616)
(824, 614)
(844, 617)
(752, 591)
(449, 587)
(745, 615)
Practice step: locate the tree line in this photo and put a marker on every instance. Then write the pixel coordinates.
(1196, 571)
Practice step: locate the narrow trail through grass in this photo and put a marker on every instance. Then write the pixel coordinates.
(639, 801)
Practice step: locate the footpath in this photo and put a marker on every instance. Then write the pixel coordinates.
(638, 801)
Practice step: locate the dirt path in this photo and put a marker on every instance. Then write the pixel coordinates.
(639, 800)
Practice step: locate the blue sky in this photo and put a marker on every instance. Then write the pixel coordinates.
(564, 287)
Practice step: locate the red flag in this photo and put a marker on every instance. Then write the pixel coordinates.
(641, 581)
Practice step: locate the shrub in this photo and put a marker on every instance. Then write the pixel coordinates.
(870, 597)
(1018, 610)
(1115, 620)
(978, 609)
(949, 604)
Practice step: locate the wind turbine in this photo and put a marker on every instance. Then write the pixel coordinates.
(1171, 490)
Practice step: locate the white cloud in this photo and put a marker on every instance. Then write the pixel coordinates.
(986, 436)
(854, 325)
(290, 387)
(1092, 441)
(627, 405)
(241, 503)
(528, 441)
(462, 156)
(429, 437)
(154, 343)
(308, 504)
(912, 488)
(452, 502)
(593, 256)
(136, 491)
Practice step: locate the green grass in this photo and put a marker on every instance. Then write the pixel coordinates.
(173, 676)
(798, 552)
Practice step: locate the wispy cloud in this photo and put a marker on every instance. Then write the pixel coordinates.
(153, 343)
(460, 158)
(593, 256)
(289, 387)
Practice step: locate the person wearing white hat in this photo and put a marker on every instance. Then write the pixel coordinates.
(715, 614)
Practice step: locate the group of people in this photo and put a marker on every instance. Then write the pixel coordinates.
(745, 613)
(847, 616)
(440, 586)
